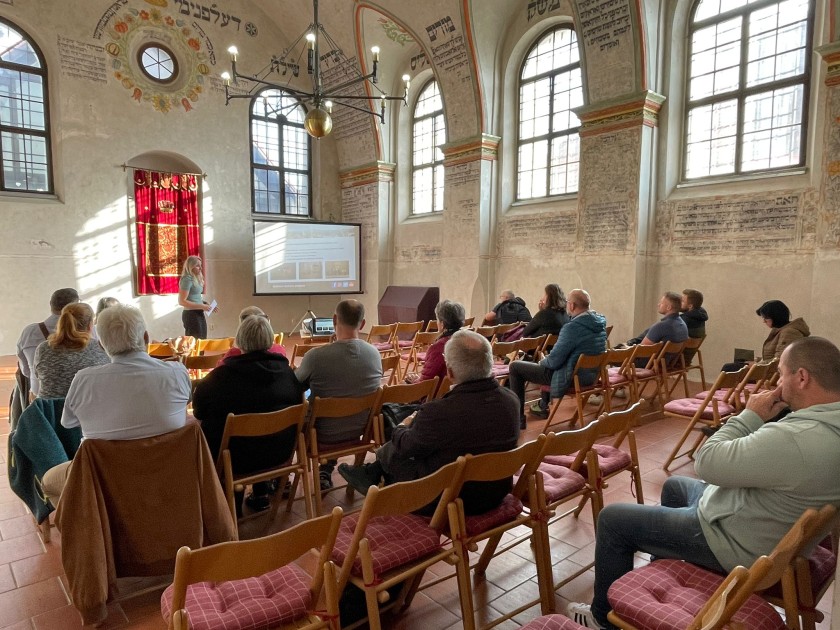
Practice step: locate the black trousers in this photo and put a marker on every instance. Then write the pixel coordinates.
(195, 323)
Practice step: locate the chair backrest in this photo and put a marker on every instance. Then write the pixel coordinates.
(548, 344)
(502, 349)
(530, 344)
(503, 329)
(202, 361)
(693, 343)
(161, 350)
(214, 345)
(391, 369)
(609, 331)
(576, 443)
(594, 362)
(758, 374)
(404, 498)
(405, 331)
(728, 381)
(381, 333)
(618, 423)
(671, 357)
(496, 466)
(260, 424)
(301, 349)
(408, 393)
(432, 326)
(250, 558)
(444, 387)
(620, 358)
(469, 321)
(650, 352)
(316, 340)
(423, 340)
(278, 338)
(488, 332)
(340, 407)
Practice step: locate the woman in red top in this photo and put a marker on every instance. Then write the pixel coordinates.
(450, 316)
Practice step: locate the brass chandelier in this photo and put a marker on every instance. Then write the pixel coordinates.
(320, 100)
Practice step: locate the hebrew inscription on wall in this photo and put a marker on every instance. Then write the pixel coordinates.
(82, 61)
(351, 128)
(830, 209)
(606, 35)
(418, 253)
(605, 226)
(450, 56)
(537, 236)
(359, 205)
(729, 225)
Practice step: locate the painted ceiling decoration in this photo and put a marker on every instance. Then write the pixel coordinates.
(394, 32)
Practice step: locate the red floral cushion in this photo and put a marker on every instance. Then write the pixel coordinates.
(552, 622)
(278, 597)
(689, 406)
(394, 541)
(560, 481)
(667, 594)
(510, 508)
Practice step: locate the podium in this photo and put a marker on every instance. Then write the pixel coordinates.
(408, 304)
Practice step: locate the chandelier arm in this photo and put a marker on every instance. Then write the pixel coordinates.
(364, 110)
(337, 98)
(353, 81)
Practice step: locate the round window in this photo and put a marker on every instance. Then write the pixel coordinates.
(158, 63)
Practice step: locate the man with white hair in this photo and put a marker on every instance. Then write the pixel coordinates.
(476, 416)
(135, 396)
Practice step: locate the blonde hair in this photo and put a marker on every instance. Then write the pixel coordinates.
(189, 263)
(73, 328)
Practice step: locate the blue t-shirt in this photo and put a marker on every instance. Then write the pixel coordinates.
(670, 328)
(192, 287)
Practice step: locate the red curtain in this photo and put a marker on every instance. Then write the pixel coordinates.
(168, 228)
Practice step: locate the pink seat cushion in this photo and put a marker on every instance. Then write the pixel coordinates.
(510, 508)
(616, 377)
(405, 344)
(278, 597)
(545, 388)
(644, 373)
(822, 563)
(394, 541)
(560, 481)
(421, 356)
(610, 459)
(383, 345)
(689, 406)
(552, 622)
(719, 395)
(667, 594)
(500, 370)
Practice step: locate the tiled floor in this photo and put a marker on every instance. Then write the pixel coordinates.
(33, 593)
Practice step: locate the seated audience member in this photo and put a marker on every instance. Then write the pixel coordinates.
(551, 316)
(783, 331)
(670, 328)
(476, 416)
(757, 477)
(104, 303)
(256, 381)
(134, 396)
(450, 317)
(69, 349)
(510, 310)
(275, 348)
(586, 333)
(347, 368)
(693, 313)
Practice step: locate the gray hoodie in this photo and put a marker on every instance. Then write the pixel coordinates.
(763, 476)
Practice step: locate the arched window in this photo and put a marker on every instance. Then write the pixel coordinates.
(549, 145)
(429, 132)
(748, 82)
(24, 114)
(280, 148)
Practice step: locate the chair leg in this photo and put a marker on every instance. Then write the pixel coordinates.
(487, 554)
(371, 599)
(679, 444)
(462, 570)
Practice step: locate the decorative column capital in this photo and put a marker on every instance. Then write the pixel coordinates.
(374, 172)
(831, 55)
(640, 110)
(481, 147)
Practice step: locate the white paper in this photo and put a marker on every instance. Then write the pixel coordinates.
(213, 306)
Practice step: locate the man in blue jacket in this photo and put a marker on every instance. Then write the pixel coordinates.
(586, 333)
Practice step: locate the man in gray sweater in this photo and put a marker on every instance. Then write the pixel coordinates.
(759, 476)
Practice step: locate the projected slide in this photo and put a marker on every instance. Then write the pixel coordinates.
(297, 257)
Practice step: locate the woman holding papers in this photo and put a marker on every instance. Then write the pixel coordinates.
(191, 286)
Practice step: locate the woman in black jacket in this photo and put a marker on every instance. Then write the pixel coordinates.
(256, 381)
(551, 316)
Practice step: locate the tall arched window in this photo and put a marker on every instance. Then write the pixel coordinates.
(549, 145)
(280, 168)
(748, 82)
(24, 114)
(429, 132)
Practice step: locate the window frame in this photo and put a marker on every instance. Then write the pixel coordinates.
(742, 93)
(176, 69)
(553, 74)
(46, 133)
(280, 170)
(434, 163)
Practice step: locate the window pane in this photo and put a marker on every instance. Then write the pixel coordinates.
(423, 189)
(25, 162)
(773, 129)
(15, 48)
(550, 87)
(21, 99)
(295, 148)
(428, 134)
(429, 101)
(297, 193)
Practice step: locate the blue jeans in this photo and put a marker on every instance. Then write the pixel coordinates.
(671, 530)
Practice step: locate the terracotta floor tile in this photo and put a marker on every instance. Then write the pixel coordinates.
(12, 509)
(17, 526)
(7, 580)
(28, 601)
(37, 568)
(20, 547)
(68, 618)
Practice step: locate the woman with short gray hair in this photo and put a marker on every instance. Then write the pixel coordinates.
(450, 316)
(255, 381)
(236, 350)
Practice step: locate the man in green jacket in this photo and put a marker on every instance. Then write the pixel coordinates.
(759, 476)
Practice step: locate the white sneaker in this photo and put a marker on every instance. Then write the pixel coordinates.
(595, 399)
(621, 393)
(582, 614)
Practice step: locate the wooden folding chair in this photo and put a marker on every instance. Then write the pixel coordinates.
(444, 387)
(711, 411)
(548, 344)
(253, 425)
(644, 597)
(609, 332)
(672, 366)
(300, 350)
(468, 531)
(404, 335)
(527, 347)
(502, 350)
(694, 358)
(316, 340)
(757, 376)
(385, 544)
(619, 367)
(199, 365)
(502, 329)
(432, 326)
(184, 345)
(582, 393)
(415, 354)
(469, 321)
(278, 338)
(279, 592)
(214, 346)
(320, 453)
(403, 393)
(390, 370)
(646, 369)
(381, 337)
(161, 350)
